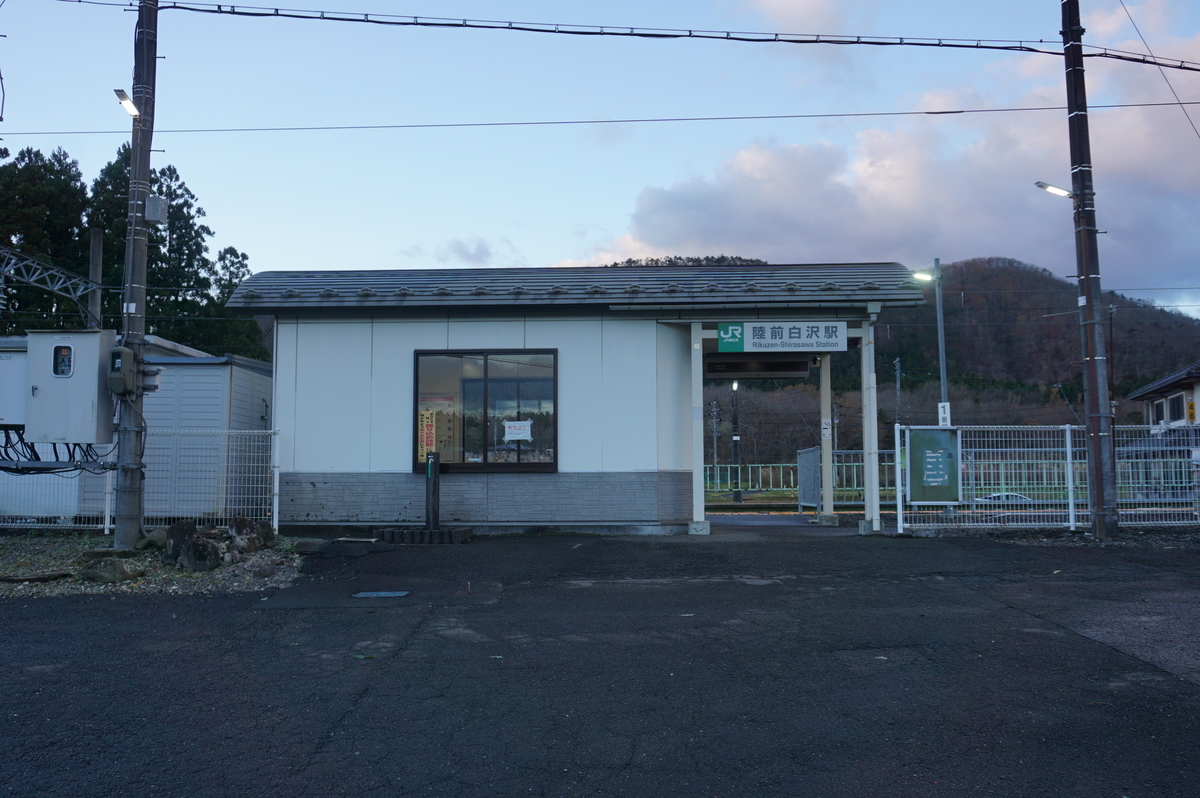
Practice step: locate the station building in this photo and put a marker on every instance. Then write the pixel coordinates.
(568, 398)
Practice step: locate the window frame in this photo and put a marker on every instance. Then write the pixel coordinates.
(1158, 412)
(1175, 402)
(484, 467)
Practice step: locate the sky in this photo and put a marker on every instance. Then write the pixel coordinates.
(853, 176)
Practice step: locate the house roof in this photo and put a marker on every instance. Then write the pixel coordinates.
(613, 287)
(1187, 374)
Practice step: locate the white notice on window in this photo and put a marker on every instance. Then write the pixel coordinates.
(518, 431)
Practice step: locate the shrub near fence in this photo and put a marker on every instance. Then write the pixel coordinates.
(209, 476)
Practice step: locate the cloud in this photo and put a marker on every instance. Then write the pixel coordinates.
(917, 193)
(959, 186)
(804, 16)
(475, 252)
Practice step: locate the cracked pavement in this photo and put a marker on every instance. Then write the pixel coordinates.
(755, 661)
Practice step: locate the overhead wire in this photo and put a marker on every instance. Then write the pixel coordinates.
(1014, 45)
(1161, 71)
(549, 123)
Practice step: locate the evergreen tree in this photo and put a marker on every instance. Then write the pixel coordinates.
(42, 202)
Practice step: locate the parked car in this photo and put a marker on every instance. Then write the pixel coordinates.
(1004, 498)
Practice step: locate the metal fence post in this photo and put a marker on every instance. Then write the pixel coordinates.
(899, 483)
(432, 493)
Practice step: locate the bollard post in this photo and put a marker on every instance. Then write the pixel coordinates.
(432, 495)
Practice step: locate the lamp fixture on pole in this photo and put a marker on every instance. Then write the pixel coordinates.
(1055, 190)
(127, 103)
(736, 456)
(936, 279)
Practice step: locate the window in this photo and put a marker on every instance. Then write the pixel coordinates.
(1175, 408)
(487, 410)
(64, 361)
(1158, 412)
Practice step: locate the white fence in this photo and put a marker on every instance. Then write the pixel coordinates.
(210, 476)
(1037, 477)
(848, 471)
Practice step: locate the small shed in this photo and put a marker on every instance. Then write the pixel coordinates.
(197, 392)
(564, 397)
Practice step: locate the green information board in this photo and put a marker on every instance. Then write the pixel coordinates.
(933, 466)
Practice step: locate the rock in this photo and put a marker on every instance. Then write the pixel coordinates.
(178, 535)
(346, 548)
(199, 554)
(111, 569)
(309, 546)
(155, 537)
(262, 570)
(266, 533)
(244, 536)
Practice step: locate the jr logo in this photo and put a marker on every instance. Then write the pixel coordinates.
(731, 334)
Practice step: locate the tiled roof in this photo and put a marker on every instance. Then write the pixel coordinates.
(1186, 374)
(849, 284)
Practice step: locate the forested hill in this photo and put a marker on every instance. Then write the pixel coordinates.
(1010, 323)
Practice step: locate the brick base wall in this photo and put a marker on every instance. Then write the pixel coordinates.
(663, 497)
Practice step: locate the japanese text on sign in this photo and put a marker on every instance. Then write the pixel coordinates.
(782, 336)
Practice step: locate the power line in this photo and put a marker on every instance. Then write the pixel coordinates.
(550, 123)
(1160, 69)
(1012, 45)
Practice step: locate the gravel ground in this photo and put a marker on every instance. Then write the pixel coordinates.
(26, 557)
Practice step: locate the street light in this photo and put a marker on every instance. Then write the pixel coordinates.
(1060, 192)
(127, 103)
(736, 458)
(936, 279)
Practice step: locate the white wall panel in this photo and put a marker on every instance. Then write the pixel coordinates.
(494, 334)
(630, 406)
(580, 389)
(392, 388)
(284, 360)
(674, 398)
(333, 396)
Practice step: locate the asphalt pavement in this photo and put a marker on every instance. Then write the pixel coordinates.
(763, 660)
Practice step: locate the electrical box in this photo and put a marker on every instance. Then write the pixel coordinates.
(12, 384)
(121, 377)
(156, 209)
(67, 398)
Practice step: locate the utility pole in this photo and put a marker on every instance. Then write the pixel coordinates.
(944, 405)
(1102, 465)
(131, 429)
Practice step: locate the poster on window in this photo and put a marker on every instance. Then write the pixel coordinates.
(518, 431)
(426, 434)
(438, 426)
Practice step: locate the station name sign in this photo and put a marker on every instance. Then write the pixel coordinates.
(782, 336)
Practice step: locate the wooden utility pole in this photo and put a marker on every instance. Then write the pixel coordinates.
(131, 430)
(1102, 464)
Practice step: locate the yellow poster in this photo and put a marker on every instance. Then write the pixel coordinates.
(426, 433)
